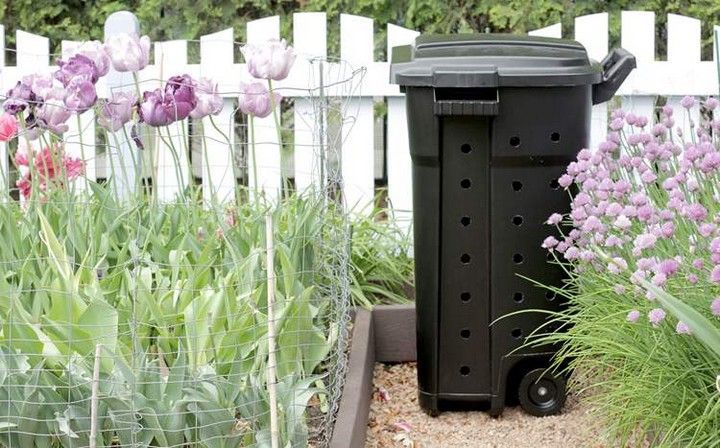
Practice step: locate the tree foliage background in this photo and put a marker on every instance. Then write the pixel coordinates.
(189, 19)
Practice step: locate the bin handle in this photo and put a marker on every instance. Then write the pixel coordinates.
(616, 66)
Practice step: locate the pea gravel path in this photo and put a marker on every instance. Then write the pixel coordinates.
(397, 421)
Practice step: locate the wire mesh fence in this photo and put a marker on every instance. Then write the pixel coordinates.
(168, 316)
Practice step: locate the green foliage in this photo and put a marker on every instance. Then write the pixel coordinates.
(186, 19)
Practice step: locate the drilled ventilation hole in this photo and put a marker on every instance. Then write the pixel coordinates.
(550, 296)
(517, 185)
(519, 297)
(466, 149)
(465, 221)
(465, 183)
(515, 141)
(517, 258)
(464, 370)
(465, 258)
(517, 220)
(554, 184)
(465, 297)
(555, 137)
(465, 333)
(516, 333)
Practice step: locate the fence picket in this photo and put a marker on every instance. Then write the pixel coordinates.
(80, 137)
(399, 166)
(554, 30)
(122, 157)
(171, 150)
(356, 49)
(683, 47)
(266, 155)
(592, 32)
(310, 43)
(4, 167)
(216, 153)
(638, 37)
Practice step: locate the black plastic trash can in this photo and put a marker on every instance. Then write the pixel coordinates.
(493, 121)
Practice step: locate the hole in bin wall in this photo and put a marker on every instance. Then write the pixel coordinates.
(465, 221)
(519, 297)
(517, 185)
(464, 370)
(516, 333)
(555, 137)
(465, 258)
(518, 258)
(465, 297)
(465, 183)
(554, 184)
(515, 141)
(517, 220)
(550, 296)
(465, 333)
(466, 148)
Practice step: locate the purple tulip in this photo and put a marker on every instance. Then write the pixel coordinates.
(154, 111)
(78, 66)
(117, 111)
(81, 95)
(271, 60)
(128, 52)
(96, 52)
(208, 100)
(181, 91)
(18, 98)
(52, 115)
(256, 100)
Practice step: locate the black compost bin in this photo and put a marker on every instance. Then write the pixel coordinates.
(493, 121)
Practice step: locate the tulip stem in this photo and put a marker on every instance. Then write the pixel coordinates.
(254, 161)
(119, 158)
(230, 148)
(82, 146)
(176, 158)
(276, 117)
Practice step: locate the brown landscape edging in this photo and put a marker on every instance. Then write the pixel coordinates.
(387, 334)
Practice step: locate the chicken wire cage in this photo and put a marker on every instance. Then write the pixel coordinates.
(178, 320)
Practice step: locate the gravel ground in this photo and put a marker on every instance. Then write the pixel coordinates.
(396, 420)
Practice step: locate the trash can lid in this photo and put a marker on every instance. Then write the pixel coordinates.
(492, 60)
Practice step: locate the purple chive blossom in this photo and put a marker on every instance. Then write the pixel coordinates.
(687, 102)
(117, 111)
(698, 263)
(620, 290)
(550, 242)
(645, 241)
(617, 265)
(715, 307)
(711, 103)
(565, 180)
(616, 124)
(622, 222)
(633, 316)
(554, 219)
(682, 328)
(715, 274)
(78, 66)
(656, 315)
(692, 279)
(667, 267)
(696, 212)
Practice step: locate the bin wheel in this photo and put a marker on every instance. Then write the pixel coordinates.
(541, 393)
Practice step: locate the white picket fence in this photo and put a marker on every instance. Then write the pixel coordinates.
(683, 73)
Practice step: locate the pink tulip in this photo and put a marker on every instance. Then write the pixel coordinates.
(271, 60)
(256, 100)
(208, 100)
(128, 52)
(8, 127)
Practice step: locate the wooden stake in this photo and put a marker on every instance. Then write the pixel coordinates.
(94, 398)
(271, 365)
